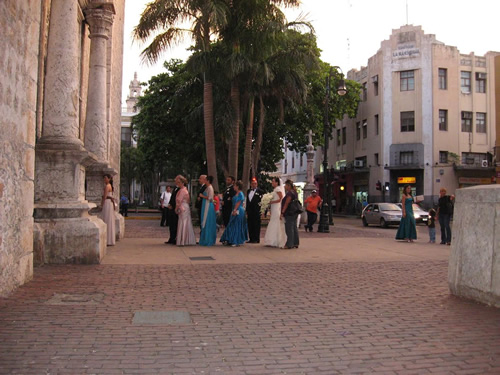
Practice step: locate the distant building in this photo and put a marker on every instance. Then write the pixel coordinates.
(427, 118)
(132, 190)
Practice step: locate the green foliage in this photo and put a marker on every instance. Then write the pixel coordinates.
(170, 123)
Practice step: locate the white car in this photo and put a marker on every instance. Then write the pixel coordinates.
(383, 214)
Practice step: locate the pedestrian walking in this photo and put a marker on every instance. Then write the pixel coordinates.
(312, 204)
(124, 205)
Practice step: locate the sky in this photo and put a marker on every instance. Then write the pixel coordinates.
(349, 32)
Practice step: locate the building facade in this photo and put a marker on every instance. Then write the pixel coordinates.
(427, 118)
(60, 99)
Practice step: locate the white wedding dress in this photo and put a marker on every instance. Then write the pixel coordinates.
(275, 233)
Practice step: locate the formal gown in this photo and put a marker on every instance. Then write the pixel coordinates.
(185, 232)
(407, 227)
(108, 216)
(275, 232)
(236, 232)
(208, 219)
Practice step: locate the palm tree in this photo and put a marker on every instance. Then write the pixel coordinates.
(166, 18)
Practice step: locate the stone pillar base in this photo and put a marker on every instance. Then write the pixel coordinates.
(79, 240)
(119, 226)
(474, 265)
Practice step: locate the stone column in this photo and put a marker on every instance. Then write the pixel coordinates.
(64, 231)
(100, 19)
(309, 172)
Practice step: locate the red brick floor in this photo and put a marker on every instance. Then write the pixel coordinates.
(339, 318)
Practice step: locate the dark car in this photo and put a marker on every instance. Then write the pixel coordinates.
(383, 214)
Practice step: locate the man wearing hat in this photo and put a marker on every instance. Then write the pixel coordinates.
(254, 196)
(312, 204)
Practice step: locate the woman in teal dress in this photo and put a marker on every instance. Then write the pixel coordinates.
(407, 227)
(208, 219)
(236, 232)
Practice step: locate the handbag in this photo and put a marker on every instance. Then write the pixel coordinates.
(295, 208)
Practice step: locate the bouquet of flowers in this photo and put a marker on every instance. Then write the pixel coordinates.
(265, 202)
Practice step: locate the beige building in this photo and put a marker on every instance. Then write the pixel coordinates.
(60, 99)
(427, 118)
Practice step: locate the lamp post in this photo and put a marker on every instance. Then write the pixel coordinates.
(326, 213)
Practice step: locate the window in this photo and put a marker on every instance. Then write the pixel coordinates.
(301, 160)
(376, 159)
(338, 137)
(443, 119)
(473, 158)
(365, 129)
(376, 125)
(293, 160)
(407, 80)
(467, 122)
(481, 122)
(365, 92)
(375, 85)
(443, 79)
(465, 82)
(286, 166)
(408, 121)
(126, 136)
(443, 157)
(344, 136)
(358, 131)
(406, 157)
(481, 82)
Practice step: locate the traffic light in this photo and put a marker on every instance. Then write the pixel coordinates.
(378, 185)
(387, 185)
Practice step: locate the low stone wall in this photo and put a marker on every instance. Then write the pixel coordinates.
(474, 265)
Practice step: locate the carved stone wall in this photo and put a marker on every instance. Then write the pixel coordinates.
(20, 25)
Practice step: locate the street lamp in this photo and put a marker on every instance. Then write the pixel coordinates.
(326, 213)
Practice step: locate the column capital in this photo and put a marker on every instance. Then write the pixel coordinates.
(100, 20)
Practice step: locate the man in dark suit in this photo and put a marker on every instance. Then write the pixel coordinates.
(227, 203)
(172, 218)
(202, 180)
(254, 196)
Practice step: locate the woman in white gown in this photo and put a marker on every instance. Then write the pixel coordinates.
(108, 209)
(275, 232)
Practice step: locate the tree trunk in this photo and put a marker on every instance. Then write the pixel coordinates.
(260, 134)
(235, 140)
(248, 144)
(208, 116)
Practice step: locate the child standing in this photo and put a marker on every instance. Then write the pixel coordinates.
(431, 224)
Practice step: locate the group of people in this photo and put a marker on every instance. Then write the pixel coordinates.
(241, 216)
(407, 230)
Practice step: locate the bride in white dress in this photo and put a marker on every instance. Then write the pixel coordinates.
(275, 233)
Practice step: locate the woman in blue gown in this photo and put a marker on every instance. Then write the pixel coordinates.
(236, 232)
(208, 219)
(407, 227)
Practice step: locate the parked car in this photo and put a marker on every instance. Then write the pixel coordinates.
(421, 216)
(383, 214)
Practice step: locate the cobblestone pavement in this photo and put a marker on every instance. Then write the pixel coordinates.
(303, 318)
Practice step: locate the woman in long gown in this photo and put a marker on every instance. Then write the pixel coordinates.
(236, 232)
(275, 232)
(407, 227)
(185, 232)
(108, 209)
(208, 219)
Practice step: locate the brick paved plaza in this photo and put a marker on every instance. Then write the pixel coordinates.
(369, 316)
